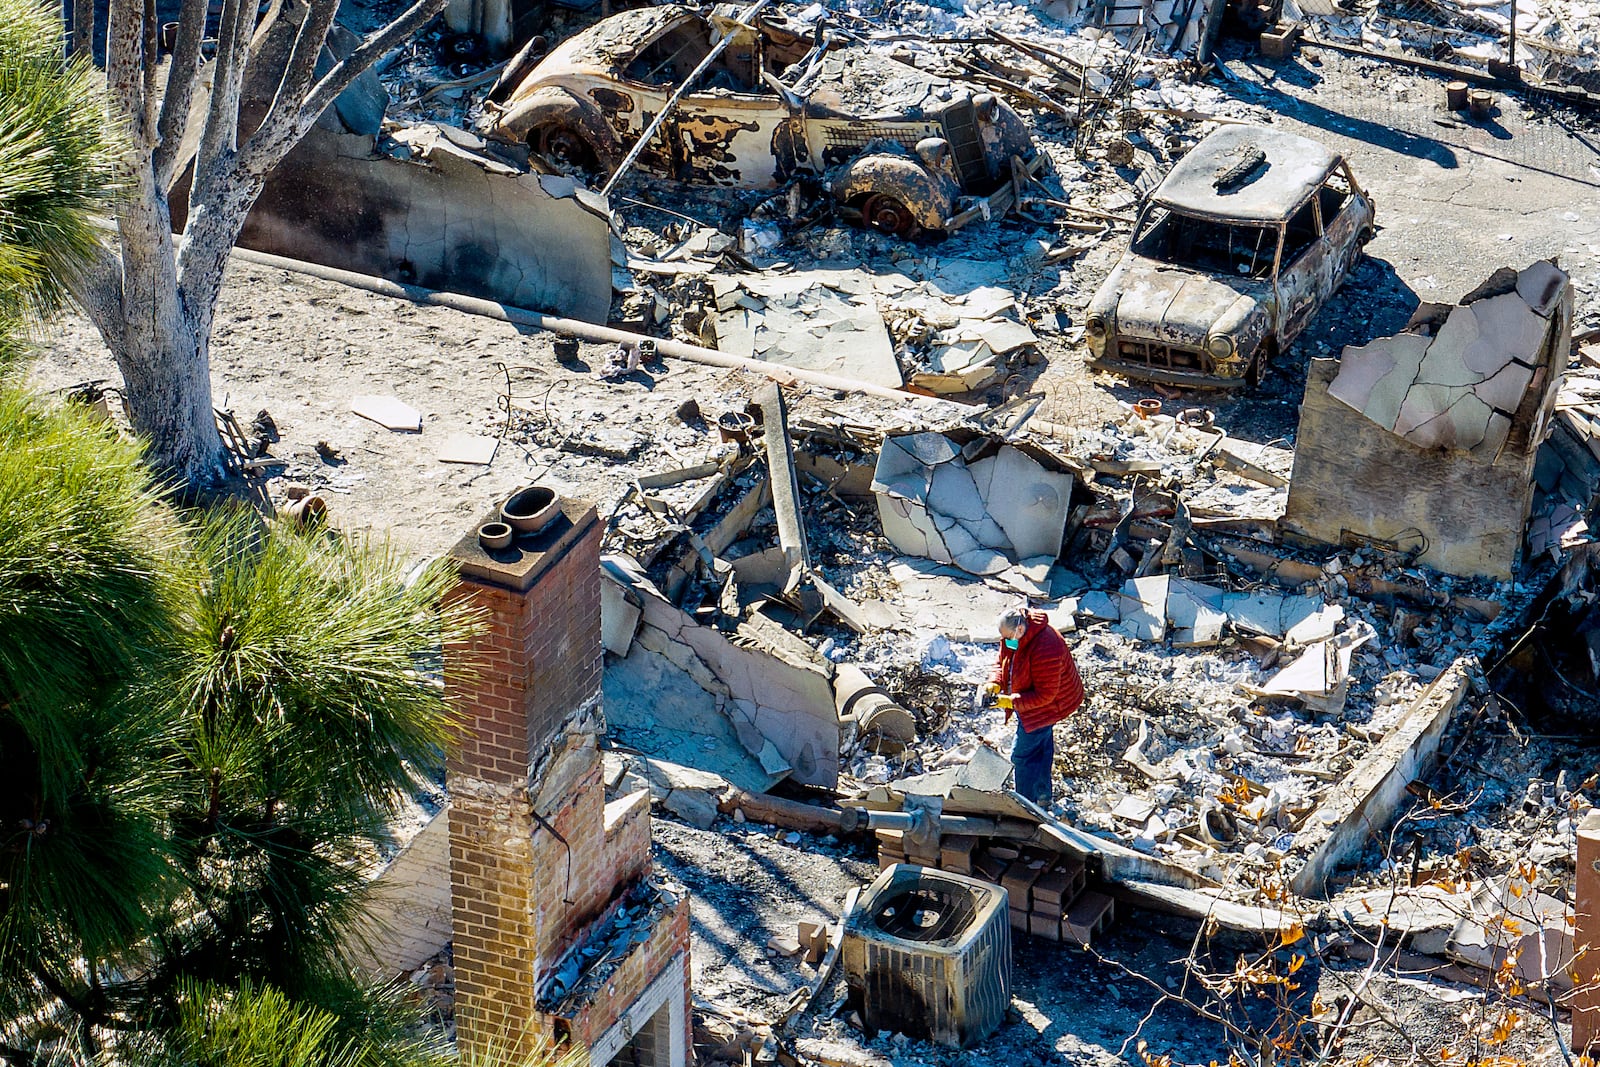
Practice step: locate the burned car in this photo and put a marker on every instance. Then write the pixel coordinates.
(908, 150)
(1231, 258)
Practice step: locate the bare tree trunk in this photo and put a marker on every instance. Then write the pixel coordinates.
(167, 377)
(164, 353)
(154, 304)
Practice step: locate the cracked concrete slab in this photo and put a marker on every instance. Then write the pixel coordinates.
(1144, 608)
(1195, 611)
(985, 516)
(777, 702)
(820, 320)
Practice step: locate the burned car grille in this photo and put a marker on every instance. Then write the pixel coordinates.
(858, 136)
(1165, 357)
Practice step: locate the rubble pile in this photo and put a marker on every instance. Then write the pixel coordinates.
(799, 604)
(581, 975)
(1556, 39)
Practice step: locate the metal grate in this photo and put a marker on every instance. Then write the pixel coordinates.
(966, 144)
(858, 135)
(1169, 357)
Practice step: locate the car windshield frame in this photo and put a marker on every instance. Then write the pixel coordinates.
(1154, 235)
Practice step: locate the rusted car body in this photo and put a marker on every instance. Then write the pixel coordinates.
(1230, 259)
(768, 108)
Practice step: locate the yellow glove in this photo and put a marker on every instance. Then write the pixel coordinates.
(1006, 700)
(992, 689)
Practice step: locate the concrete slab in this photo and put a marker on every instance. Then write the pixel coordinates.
(1360, 370)
(1144, 608)
(389, 412)
(1423, 404)
(619, 618)
(468, 448)
(1030, 503)
(822, 320)
(1504, 391)
(1194, 611)
(1539, 285)
(984, 517)
(662, 713)
(1383, 404)
(1508, 327)
(1098, 604)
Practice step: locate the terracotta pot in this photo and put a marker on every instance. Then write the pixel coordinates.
(1148, 407)
(531, 508)
(308, 509)
(495, 535)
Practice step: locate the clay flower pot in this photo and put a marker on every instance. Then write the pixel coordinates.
(495, 535)
(1147, 408)
(308, 510)
(530, 509)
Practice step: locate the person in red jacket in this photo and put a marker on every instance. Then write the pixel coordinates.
(1037, 678)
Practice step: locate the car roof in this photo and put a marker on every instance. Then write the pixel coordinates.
(621, 36)
(1294, 167)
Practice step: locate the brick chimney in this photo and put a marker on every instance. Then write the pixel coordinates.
(540, 865)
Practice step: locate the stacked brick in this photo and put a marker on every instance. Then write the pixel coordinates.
(1049, 894)
(536, 857)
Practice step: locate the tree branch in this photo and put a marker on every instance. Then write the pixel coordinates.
(298, 71)
(124, 31)
(268, 146)
(183, 77)
(150, 50)
(220, 135)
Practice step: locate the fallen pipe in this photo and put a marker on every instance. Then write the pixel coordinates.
(789, 814)
(853, 819)
(597, 334)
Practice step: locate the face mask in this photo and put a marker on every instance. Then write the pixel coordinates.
(1011, 642)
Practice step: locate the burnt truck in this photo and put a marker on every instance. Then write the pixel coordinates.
(907, 150)
(1231, 258)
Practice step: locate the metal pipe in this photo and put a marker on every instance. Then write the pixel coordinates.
(677, 94)
(857, 818)
(1511, 52)
(589, 331)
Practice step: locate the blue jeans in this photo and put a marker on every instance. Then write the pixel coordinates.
(1033, 755)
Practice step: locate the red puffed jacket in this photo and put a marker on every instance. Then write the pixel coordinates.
(1043, 674)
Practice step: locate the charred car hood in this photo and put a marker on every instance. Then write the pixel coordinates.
(1178, 306)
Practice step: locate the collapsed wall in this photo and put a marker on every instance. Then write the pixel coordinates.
(1426, 442)
(428, 206)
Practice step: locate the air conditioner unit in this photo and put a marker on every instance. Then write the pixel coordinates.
(928, 954)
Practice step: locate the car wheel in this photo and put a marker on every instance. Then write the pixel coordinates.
(886, 214)
(1259, 363)
(563, 145)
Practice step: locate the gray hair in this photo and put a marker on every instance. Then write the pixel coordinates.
(1012, 619)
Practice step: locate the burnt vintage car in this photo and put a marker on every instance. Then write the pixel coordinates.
(777, 102)
(1231, 258)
